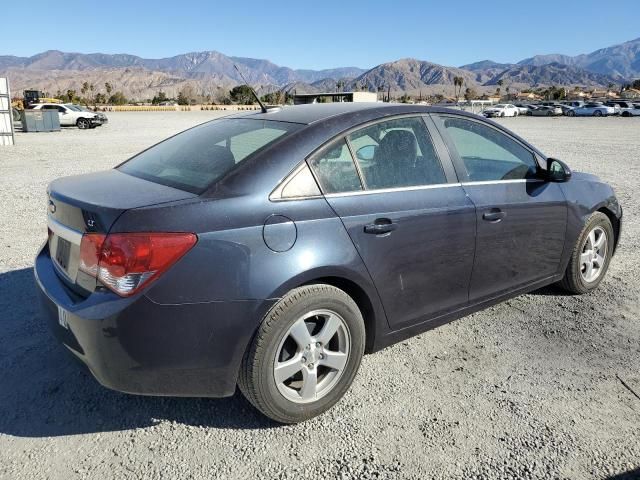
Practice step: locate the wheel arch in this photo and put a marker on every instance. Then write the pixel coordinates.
(615, 223)
(357, 293)
(358, 286)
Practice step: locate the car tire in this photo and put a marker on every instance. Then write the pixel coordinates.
(576, 280)
(626, 114)
(571, 113)
(597, 113)
(303, 313)
(502, 114)
(515, 114)
(83, 123)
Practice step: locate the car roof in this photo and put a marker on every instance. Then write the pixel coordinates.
(318, 112)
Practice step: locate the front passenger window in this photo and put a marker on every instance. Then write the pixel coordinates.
(487, 153)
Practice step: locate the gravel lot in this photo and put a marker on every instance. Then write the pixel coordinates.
(526, 389)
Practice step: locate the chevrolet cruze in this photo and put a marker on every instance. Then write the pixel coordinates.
(271, 250)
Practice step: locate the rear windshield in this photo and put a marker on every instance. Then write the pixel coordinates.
(193, 160)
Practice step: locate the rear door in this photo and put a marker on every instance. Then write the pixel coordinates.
(521, 219)
(409, 219)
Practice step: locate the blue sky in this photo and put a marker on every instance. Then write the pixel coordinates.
(325, 34)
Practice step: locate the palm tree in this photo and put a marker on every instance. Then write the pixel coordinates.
(458, 82)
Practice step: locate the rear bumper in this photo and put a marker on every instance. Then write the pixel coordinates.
(135, 345)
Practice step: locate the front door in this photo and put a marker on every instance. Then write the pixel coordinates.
(411, 222)
(521, 219)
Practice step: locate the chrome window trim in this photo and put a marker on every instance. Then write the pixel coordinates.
(62, 231)
(430, 187)
(495, 182)
(392, 190)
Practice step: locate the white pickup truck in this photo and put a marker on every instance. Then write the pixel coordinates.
(71, 114)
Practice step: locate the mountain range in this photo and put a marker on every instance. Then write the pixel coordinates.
(212, 73)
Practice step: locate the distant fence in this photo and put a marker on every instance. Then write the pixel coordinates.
(173, 108)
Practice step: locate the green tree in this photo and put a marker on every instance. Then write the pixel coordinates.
(108, 87)
(500, 84)
(458, 82)
(160, 97)
(470, 94)
(274, 98)
(242, 95)
(636, 84)
(118, 98)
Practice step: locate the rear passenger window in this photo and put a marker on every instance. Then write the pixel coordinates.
(487, 153)
(397, 153)
(334, 169)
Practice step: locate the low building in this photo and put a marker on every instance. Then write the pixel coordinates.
(630, 93)
(602, 94)
(527, 96)
(304, 98)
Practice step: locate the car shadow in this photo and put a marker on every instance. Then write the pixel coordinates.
(551, 291)
(44, 392)
(630, 475)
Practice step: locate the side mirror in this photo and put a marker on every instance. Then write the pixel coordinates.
(557, 170)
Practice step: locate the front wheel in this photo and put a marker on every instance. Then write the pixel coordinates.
(83, 123)
(597, 113)
(571, 113)
(591, 255)
(626, 114)
(305, 354)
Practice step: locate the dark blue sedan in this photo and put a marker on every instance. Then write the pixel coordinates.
(272, 250)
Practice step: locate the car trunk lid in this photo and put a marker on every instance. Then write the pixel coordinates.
(91, 204)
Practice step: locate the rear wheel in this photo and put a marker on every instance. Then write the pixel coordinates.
(571, 113)
(597, 113)
(502, 114)
(83, 123)
(626, 114)
(591, 255)
(305, 354)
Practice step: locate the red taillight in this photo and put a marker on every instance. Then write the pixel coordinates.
(125, 262)
(90, 248)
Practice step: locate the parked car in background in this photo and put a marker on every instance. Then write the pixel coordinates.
(546, 111)
(271, 250)
(71, 115)
(101, 118)
(565, 108)
(620, 105)
(574, 103)
(522, 108)
(502, 110)
(634, 111)
(592, 110)
(530, 108)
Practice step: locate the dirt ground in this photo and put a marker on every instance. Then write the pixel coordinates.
(530, 388)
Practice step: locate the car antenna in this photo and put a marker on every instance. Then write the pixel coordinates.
(262, 107)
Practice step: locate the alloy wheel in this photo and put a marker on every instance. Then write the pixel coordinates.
(594, 254)
(312, 356)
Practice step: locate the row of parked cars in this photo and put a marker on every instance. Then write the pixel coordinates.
(575, 108)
